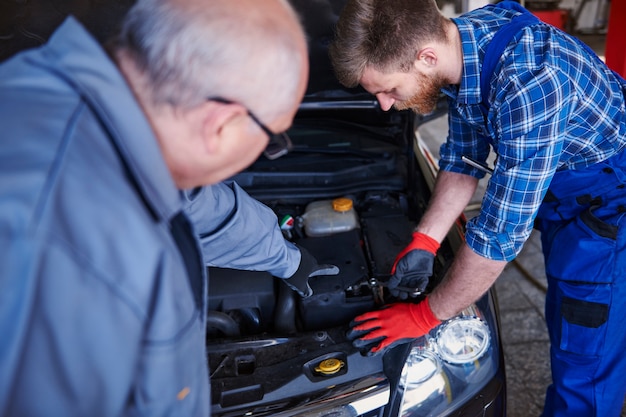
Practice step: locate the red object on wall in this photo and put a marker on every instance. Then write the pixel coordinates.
(555, 17)
(615, 51)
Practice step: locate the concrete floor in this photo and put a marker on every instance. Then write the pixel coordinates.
(521, 291)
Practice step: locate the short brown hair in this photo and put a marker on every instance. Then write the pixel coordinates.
(384, 34)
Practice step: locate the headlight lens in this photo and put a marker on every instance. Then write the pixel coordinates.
(448, 366)
(462, 340)
(423, 381)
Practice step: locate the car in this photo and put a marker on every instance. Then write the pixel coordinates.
(351, 192)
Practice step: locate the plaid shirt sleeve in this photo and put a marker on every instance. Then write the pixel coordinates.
(546, 86)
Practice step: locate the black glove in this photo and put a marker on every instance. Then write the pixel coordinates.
(299, 281)
(413, 267)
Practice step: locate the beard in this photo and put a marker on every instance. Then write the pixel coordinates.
(427, 96)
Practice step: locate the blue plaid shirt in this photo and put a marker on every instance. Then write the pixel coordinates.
(552, 107)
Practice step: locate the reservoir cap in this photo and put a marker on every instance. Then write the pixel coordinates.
(329, 366)
(342, 204)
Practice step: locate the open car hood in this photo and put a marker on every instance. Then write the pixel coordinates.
(319, 18)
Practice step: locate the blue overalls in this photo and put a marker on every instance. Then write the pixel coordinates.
(583, 226)
(583, 233)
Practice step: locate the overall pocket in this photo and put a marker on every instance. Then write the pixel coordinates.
(581, 268)
(583, 310)
(583, 250)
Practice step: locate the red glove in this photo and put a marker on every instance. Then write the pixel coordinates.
(380, 330)
(413, 267)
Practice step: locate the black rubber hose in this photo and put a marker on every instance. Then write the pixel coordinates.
(222, 322)
(285, 313)
(251, 319)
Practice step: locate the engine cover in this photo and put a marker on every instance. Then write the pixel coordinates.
(331, 304)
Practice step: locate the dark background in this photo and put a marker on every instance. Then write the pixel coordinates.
(29, 23)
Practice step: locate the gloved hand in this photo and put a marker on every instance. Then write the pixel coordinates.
(413, 267)
(299, 281)
(375, 332)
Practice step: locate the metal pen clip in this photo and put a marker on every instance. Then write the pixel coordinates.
(478, 165)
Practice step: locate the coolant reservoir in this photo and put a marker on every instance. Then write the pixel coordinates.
(325, 217)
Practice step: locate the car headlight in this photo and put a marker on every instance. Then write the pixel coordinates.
(448, 366)
(462, 340)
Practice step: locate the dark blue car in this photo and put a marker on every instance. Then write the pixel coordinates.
(350, 191)
(272, 353)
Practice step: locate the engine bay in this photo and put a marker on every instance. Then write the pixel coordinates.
(243, 303)
(265, 344)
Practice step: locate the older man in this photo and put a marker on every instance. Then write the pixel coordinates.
(102, 286)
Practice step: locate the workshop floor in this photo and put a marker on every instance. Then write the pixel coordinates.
(521, 291)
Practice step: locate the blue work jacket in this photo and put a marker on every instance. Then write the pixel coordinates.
(97, 316)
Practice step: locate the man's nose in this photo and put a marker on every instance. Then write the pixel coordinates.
(385, 101)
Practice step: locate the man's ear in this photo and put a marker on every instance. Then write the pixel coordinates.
(426, 58)
(217, 121)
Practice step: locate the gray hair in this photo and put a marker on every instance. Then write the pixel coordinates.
(191, 50)
(383, 34)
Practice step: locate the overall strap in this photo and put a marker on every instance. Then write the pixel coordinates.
(504, 36)
(499, 42)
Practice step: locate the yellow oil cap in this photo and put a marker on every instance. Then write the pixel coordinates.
(329, 366)
(342, 204)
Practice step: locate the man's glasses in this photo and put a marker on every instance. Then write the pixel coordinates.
(279, 143)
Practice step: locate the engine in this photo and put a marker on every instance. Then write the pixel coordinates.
(243, 303)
